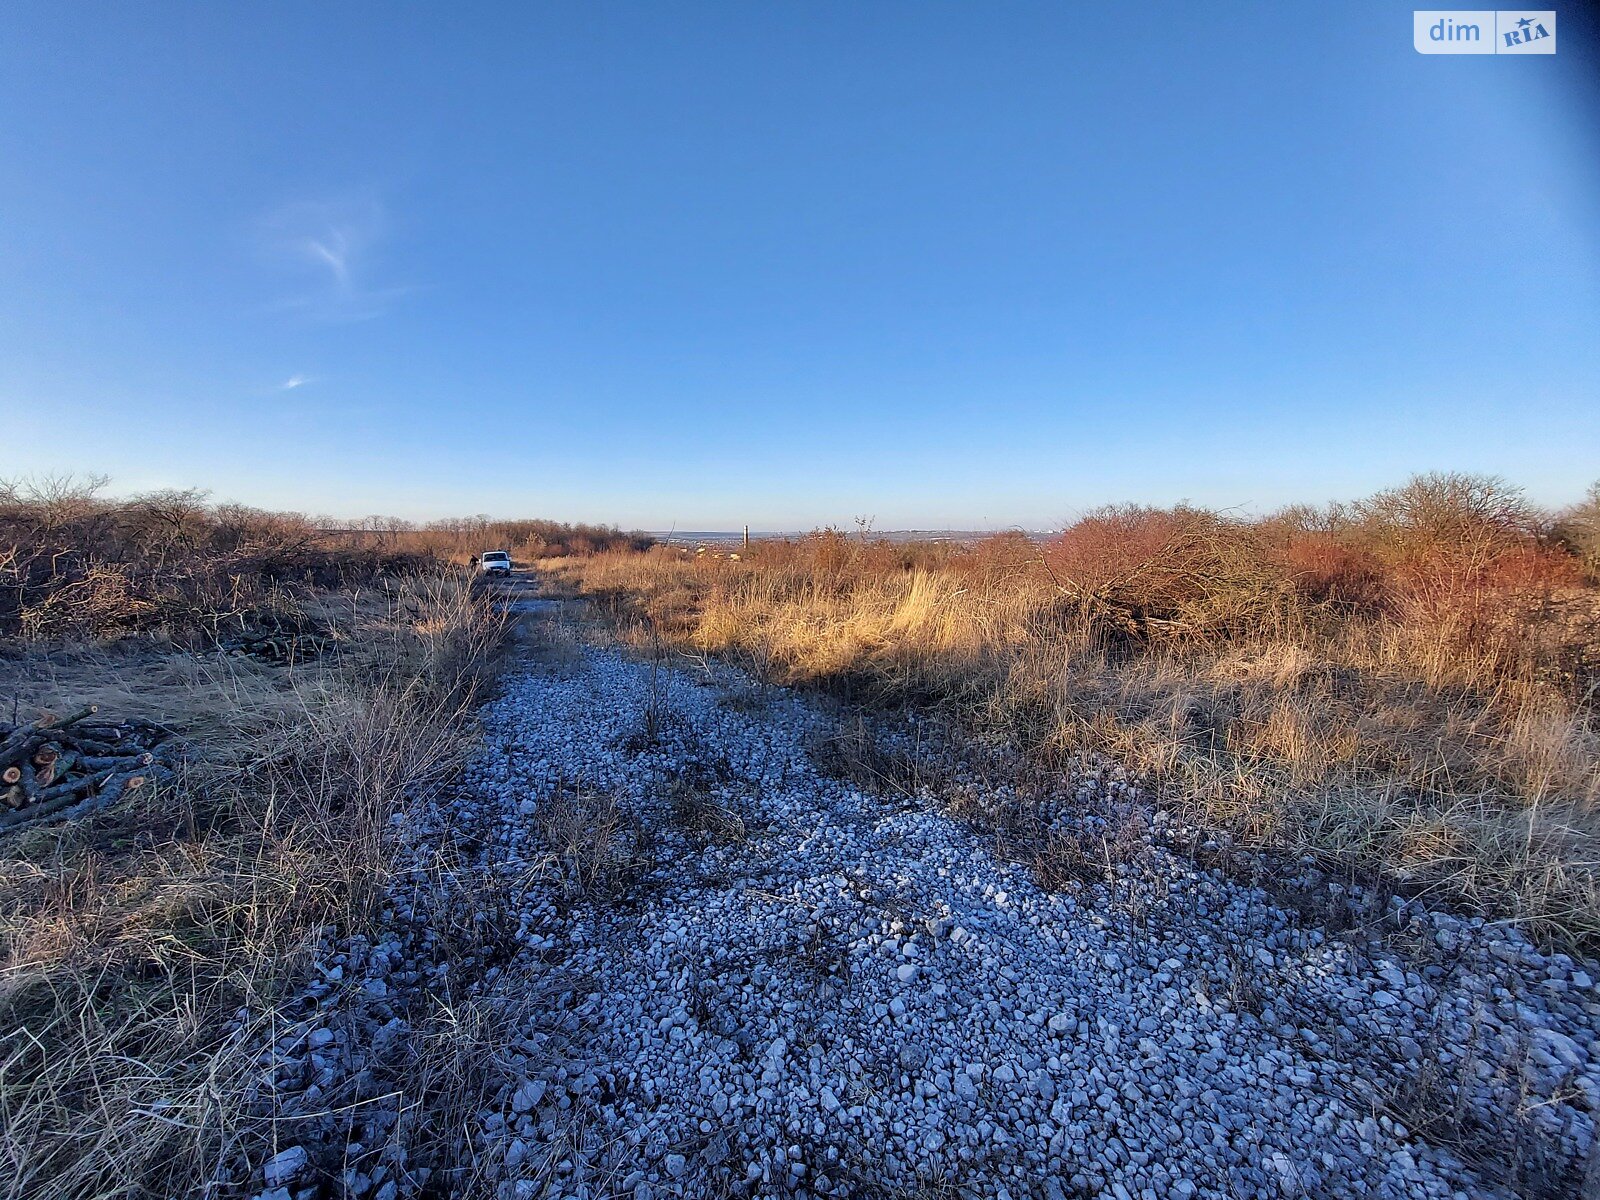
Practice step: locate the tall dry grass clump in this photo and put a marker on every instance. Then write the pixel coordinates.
(145, 953)
(1407, 683)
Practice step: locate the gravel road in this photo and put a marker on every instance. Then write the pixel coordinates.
(705, 967)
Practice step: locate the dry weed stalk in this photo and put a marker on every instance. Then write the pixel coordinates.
(598, 846)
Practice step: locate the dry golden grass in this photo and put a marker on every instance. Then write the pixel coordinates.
(131, 943)
(1438, 747)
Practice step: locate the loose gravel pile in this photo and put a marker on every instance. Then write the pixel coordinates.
(718, 971)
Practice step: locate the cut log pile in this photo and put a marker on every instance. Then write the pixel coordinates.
(272, 638)
(58, 768)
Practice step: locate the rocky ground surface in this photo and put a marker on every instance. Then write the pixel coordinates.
(650, 947)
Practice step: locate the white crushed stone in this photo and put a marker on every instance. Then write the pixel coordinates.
(860, 1000)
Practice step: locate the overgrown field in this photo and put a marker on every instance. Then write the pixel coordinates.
(145, 950)
(75, 564)
(1404, 685)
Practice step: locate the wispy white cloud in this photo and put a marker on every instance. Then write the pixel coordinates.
(294, 381)
(335, 251)
(330, 251)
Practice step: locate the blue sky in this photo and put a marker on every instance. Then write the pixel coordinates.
(960, 265)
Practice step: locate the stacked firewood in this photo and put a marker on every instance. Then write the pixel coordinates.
(57, 768)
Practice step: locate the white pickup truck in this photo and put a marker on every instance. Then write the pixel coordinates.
(494, 562)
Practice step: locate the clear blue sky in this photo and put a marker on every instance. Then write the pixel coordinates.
(789, 263)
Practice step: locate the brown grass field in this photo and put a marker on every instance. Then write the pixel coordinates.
(1405, 685)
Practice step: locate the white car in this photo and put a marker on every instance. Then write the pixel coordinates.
(494, 562)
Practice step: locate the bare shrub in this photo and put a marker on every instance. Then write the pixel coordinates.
(1578, 529)
(1134, 575)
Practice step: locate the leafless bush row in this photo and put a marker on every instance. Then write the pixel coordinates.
(456, 539)
(74, 563)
